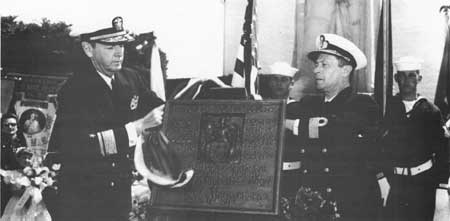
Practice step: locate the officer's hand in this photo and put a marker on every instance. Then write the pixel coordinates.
(384, 188)
(442, 199)
(152, 119)
(289, 124)
(447, 129)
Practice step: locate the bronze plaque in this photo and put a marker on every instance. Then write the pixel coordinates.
(235, 149)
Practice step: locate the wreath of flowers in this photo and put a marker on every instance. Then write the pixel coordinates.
(33, 179)
(309, 205)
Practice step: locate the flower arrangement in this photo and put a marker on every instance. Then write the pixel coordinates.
(139, 210)
(309, 205)
(140, 200)
(29, 182)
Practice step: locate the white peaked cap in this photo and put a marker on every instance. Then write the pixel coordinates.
(341, 47)
(408, 63)
(282, 68)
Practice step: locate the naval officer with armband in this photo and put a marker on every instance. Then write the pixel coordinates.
(331, 136)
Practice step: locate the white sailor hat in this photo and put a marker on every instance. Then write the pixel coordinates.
(109, 36)
(408, 63)
(281, 68)
(340, 47)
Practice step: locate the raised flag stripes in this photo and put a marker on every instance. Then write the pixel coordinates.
(246, 66)
(238, 79)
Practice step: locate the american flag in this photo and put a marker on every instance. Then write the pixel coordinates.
(246, 66)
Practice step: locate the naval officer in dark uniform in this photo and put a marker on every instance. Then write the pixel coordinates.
(101, 111)
(332, 134)
(414, 149)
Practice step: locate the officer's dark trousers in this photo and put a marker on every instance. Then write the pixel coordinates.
(412, 198)
(91, 201)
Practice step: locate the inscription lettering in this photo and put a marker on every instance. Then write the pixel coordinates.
(233, 148)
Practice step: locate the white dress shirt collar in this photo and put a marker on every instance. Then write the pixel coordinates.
(410, 104)
(107, 79)
(330, 99)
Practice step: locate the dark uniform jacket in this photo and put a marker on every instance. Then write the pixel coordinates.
(412, 138)
(90, 135)
(9, 149)
(337, 164)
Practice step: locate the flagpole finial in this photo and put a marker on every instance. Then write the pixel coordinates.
(444, 8)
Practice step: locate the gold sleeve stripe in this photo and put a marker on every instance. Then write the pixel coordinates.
(101, 144)
(109, 142)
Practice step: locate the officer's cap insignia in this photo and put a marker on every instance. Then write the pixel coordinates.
(117, 23)
(115, 35)
(323, 42)
(338, 46)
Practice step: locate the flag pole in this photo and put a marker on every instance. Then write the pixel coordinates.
(388, 67)
(442, 94)
(255, 46)
(224, 37)
(384, 69)
(247, 29)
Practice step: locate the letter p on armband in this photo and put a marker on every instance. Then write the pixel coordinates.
(314, 124)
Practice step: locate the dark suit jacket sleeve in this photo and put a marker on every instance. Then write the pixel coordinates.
(438, 143)
(295, 110)
(75, 131)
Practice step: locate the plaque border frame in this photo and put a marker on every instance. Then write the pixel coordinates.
(275, 210)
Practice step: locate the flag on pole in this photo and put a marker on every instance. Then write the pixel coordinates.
(246, 66)
(156, 74)
(384, 68)
(442, 96)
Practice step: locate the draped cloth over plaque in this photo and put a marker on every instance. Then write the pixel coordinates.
(234, 146)
(157, 162)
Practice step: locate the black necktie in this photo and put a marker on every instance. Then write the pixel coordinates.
(113, 84)
(326, 106)
(115, 91)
